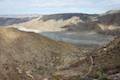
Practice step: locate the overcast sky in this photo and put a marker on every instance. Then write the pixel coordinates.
(56, 6)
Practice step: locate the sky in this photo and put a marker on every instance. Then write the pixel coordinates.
(57, 6)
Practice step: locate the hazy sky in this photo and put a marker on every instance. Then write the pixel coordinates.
(56, 6)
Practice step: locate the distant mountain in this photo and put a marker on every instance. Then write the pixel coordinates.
(110, 18)
(5, 21)
(65, 16)
(110, 22)
(112, 11)
(67, 21)
(74, 21)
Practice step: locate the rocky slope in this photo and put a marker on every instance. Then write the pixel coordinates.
(101, 64)
(29, 56)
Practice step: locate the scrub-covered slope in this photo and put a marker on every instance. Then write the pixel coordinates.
(102, 64)
(26, 56)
